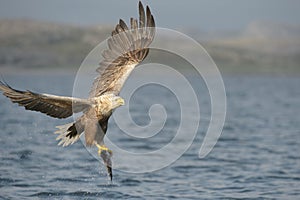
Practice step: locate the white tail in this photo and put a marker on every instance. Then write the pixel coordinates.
(63, 131)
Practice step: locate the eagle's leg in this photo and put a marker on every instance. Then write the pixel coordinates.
(102, 148)
(106, 155)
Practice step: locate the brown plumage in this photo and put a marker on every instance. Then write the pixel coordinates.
(54, 106)
(127, 47)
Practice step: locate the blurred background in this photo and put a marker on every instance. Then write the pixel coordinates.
(258, 36)
(256, 46)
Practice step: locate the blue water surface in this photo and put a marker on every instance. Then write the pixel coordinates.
(257, 156)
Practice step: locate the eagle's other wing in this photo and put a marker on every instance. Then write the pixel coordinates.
(126, 48)
(52, 105)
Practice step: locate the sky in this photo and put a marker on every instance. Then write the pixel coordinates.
(206, 15)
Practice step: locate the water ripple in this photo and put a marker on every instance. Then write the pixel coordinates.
(255, 158)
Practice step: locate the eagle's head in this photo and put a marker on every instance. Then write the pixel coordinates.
(117, 101)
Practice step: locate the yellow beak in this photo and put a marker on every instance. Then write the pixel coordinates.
(121, 101)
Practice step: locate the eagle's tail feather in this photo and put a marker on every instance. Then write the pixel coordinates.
(69, 133)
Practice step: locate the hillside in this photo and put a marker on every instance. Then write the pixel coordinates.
(32, 44)
(261, 47)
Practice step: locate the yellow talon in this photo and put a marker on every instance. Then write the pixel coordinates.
(106, 157)
(103, 148)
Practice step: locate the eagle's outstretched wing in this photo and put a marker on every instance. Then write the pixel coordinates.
(126, 48)
(52, 105)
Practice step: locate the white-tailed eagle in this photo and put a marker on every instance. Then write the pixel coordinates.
(127, 47)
